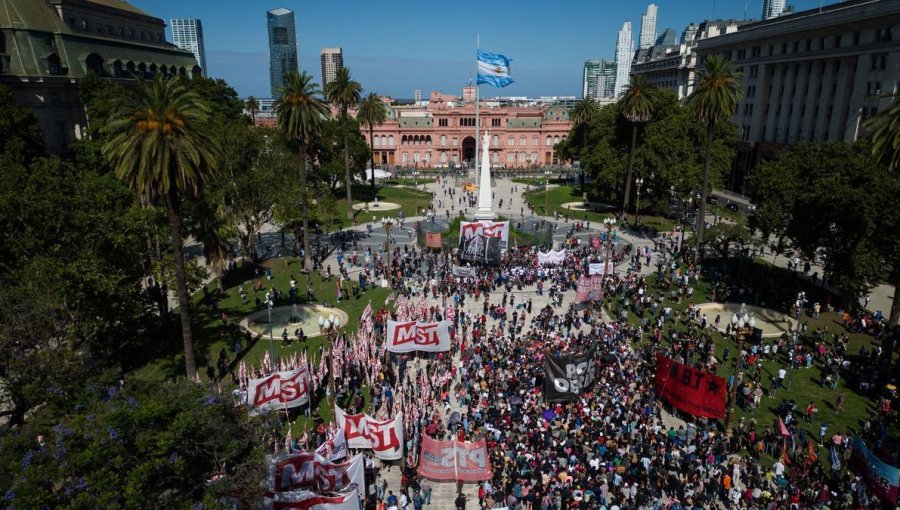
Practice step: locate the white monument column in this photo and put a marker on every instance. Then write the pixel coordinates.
(485, 206)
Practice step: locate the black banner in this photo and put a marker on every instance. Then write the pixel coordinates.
(567, 377)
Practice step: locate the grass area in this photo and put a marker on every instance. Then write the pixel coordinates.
(803, 385)
(556, 197)
(210, 337)
(410, 200)
(538, 181)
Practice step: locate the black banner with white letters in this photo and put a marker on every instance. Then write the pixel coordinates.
(567, 377)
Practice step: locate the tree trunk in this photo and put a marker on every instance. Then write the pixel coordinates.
(305, 204)
(190, 366)
(626, 200)
(704, 191)
(894, 318)
(347, 167)
(372, 147)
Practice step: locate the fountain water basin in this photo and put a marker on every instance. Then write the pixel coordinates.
(772, 322)
(291, 317)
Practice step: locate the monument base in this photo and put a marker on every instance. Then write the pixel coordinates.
(485, 214)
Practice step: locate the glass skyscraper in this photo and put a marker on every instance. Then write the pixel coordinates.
(282, 47)
(187, 34)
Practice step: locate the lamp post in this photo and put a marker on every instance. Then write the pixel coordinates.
(388, 224)
(269, 304)
(610, 223)
(330, 327)
(637, 206)
(743, 326)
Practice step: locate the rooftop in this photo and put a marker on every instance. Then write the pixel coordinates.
(281, 11)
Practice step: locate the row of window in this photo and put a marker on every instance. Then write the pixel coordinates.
(883, 34)
(388, 140)
(470, 122)
(100, 28)
(511, 157)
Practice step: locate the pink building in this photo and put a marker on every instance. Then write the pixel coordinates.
(442, 133)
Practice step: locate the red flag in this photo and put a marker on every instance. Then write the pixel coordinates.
(784, 455)
(782, 428)
(433, 239)
(811, 455)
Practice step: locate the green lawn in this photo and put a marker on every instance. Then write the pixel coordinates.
(409, 181)
(209, 336)
(803, 384)
(411, 201)
(556, 197)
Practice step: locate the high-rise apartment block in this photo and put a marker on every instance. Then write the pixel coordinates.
(599, 80)
(648, 27)
(332, 60)
(624, 55)
(187, 34)
(772, 8)
(282, 47)
(589, 78)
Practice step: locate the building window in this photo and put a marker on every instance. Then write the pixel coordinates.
(495, 157)
(837, 41)
(495, 122)
(454, 142)
(534, 140)
(53, 65)
(856, 37)
(442, 122)
(884, 34)
(510, 141)
(510, 157)
(549, 141)
(495, 140)
(376, 141)
(879, 61)
(443, 138)
(522, 141)
(391, 140)
(444, 157)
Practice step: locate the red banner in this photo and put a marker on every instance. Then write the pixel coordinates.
(590, 288)
(433, 239)
(454, 460)
(695, 392)
(280, 390)
(418, 336)
(385, 437)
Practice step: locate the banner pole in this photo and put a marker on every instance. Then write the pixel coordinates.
(477, 100)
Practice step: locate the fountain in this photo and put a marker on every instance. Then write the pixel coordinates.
(290, 316)
(772, 322)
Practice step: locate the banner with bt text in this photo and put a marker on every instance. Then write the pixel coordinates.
(696, 392)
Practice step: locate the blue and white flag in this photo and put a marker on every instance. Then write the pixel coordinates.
(493, 69)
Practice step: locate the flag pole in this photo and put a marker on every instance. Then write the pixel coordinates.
(477, 117)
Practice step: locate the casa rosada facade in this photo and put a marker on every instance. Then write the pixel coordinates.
(442, 134)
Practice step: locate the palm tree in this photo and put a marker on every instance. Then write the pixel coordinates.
(884, 130)
(638, 105)
(582, 115)
(160, 147)
(253, 107)
(372, 112)
(715, 98)
(344, 92)
(300, 113)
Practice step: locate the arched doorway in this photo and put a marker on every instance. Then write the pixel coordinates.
(468, 146)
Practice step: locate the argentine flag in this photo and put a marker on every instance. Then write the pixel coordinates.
(493, 69)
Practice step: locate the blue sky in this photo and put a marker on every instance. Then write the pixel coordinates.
(394, 47)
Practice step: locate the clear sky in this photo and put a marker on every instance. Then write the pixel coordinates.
(394, 47)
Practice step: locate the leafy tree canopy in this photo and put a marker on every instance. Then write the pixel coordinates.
(21, 139)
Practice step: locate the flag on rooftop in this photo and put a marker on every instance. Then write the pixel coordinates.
(493, 69)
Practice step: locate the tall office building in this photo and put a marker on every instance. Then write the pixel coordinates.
(332, 60)
(187, 34)
(772, 8)
(282, 47)
(589, 78)
(606, 81)
(624, 55)
(648, 27)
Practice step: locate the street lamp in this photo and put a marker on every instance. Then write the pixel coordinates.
(637, 206)
(269, 304)
(388, 224)
(743, 325)
(610, 223)
(330, 327)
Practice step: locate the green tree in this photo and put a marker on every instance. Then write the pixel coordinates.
(223, 101)
(252, 106)
(21, 139)
(637, 105)
(828, 199)
(372, 112)
(715, 98)
(584, 111)
(300, 114)
(328, 150)
(344, 93)
(109, 445)
(885, 136)
(161, 148)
